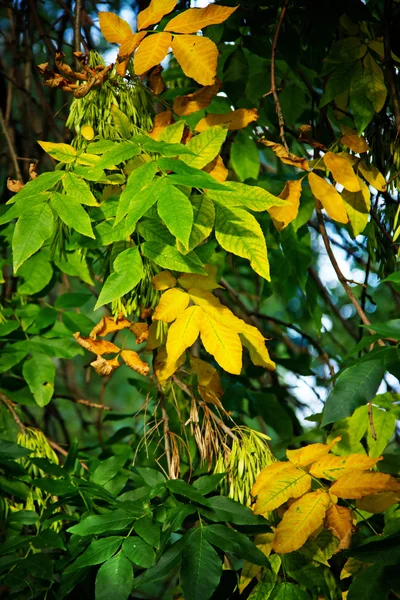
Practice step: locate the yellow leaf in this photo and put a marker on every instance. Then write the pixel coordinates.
(194, 19)
(155, 12)
(330, 198)
(283, 215)
(113, 28)
(130, 44)
(161, 121)
(267, 475)
(309, 454)
(332, 467)
(363, 483)
(87, 132)
(205, 146)
(339, 520)
(99, 347)
(217, 311)
(184, 332)
(151, 52)
(288, 159)
(352, 566)
(163, 281)
(342, 171)
(109, 325)
(105, 367)
(237, 119)
(279, 484)
(217, 169)
(190, 103)
(254, 341)
(373, 176)
(141, 332)
(223, 343)
(377, 503)
(164, 367)
(197, 56)
(352, 140)
(301, 519)
(209, 382)
(203, 282)
(172, 303)
(134, 362)
(357, 207)
(155, 339)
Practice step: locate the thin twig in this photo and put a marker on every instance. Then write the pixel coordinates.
(167, 443)
(278, 107)
(371, 421)
(63, 452)
(11, 150)
(10, 407)
(388, 63)
(77, 25)
(84, 402)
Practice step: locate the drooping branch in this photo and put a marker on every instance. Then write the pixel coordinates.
(274, 91)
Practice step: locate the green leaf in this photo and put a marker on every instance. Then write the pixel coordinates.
(238, 232)
(39, 373)
(139, 552)
(359, 103)
(373, 583)
(339, 82)
(142, 202)
(122, 151)
(61, 152)
(78, 322)
(31, 231)
(12, 450)
(137, 181)
(168, 562)
(56, 487)
(374, 83)
(203, 220)
(11, 356)
(79, 190)
(153, 230)
(58, 348)
(37, 273)
(263, 589)
(178, 486)
(354, 387)
(245, 157)
(349, 49)
(163, 148)
(288, 591)
(114, 579)
(74, 264)
(230, 540)
(44, 182)
(22, 207)
(390, 329)
(384, 427)
(107, 469)
(100, 147)
(173, 133)
(225, 509)
(206, 145)
(121, 122)
(72, 300)
(208, 483)
(148, 530)
(111, 521)
(71, 212)
(127, 272)
(201, 568)
(98, 552)
(168, 257)
(175, 209)
(252, 197)
(186, 175)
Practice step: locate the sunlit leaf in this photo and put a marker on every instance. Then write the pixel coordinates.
(194, 19)
(330, 199)
(283, 215)
(163, 281)
(183, 332)
(310, 453)
(357, 207)
(127, 272)
(372, 175)
(353, 141)
(288, 159)
(197, 56)
(99, 347)
(222, 343)
(332, 467)
(151, 52)
(339, 520)
(363, 483)
(276, 484)
(208, 379)
(190, 103)
(342, 171)
(155, 12)
(105, 367)
(237, 119)
(172, 303)
(113, 28)
(134, 362)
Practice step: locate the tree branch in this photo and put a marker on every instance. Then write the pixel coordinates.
(278, 107)
(11, 150)
(388, 63)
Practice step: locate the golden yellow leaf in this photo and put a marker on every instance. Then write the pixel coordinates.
(165, 367)
(203, 282)
(330, 198)
(309, 454)
(373, 176)
(339, 520)
(134, 362)
(217, 169)
(190, 103)
(377, 503)
(197, 56)
(278, 486)
(267, 475)
(161, 121)
(360, 483)
(172, 303)
(223, 343)
(301, 519)
(357, 205)
(237, 119)
(130, 44)
(332, 467)
(288, 159)
(109, 325)
(352, 140)
(249, 571)
(105, 367)
(163, 281)
(113, 28)
(99, 347)
(217, 311)
(154, 12)
(194, 19)
(208, 379)
(155, 338)
(282, 216)
(353, 566)
(254, 341)
(342, 171)
(184, 332)
(151, 52)
(87, 132)
(141, 332)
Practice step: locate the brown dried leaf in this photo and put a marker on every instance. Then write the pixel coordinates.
(339, 520)
(32, 172)
(66, 69)
(134, 362)
(287, 158)
(99, 347)
(237, 119)
(209, 382)
(109, 325)
(14, 185)
(161, 121)
(84, 89)
(305, 137)
(352, 140)
(141, 332)
(185, 105)
(145, 313)
(156, 82)
(105, 367)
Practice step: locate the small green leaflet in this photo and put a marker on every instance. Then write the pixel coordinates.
(114, 579)
(139, 552)
(120, 152)
(154, 231)
(359, 103)
(163, 148)
(61, 152)
(22, 206)
(128, 271)
(175, 209)
(39, 372)
(201, 568)
(31, 231)
(72, 214)
(115, 520)
(98, 552)
(203, 221)
(142, 202)
(137, 181)
(252, 197)
(74, 264)
(37, 272)
(186, 175)
(374, 83)
(100, 147)
(245, 157)
(230, 540)
(44, 182)
(206, 145)
(168, 257)
(79, 190)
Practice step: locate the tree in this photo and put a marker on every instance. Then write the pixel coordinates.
(200, 363)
